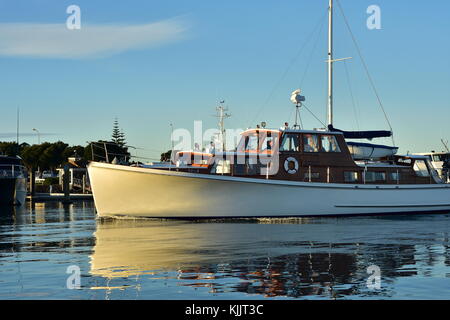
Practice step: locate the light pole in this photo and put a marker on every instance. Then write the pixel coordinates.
(39, 135)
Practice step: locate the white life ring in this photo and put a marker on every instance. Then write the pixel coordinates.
(289, 169)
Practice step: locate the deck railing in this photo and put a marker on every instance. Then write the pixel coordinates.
(100, 153)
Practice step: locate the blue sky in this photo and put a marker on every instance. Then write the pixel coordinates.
(245, 52)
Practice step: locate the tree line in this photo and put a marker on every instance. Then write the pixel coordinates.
(49, 156)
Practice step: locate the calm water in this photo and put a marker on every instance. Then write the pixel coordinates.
(267, 259)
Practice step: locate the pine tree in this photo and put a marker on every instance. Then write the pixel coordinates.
(118, 136)
(122, 140)
(116, 131)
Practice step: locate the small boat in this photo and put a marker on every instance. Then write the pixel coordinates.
(13, 181)
(287, 172)
(440, 162)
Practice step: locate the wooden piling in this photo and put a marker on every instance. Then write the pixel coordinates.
(66, 182)
(32, 183)
(84, 183)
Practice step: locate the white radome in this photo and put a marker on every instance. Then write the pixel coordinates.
(296, 98)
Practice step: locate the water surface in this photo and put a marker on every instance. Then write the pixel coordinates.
(321, 258)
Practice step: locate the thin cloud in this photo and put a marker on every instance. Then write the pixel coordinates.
(91, 41)
(13, 135)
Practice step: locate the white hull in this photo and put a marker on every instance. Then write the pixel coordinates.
(143, 192)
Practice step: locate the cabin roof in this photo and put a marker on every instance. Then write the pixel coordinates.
(412, 156)
(432, 153)
(312, 131)
(260, 130)
(290, 130)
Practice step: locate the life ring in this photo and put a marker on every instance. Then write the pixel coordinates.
(291, 165)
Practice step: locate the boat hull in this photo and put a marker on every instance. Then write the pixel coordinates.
(143, 192)
(13, 191)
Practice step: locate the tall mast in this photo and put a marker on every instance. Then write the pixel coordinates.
(17, 127)
(330, 63)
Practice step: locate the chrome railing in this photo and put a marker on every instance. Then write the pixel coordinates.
(100, 152)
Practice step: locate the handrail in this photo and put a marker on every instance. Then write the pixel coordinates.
(102, 146)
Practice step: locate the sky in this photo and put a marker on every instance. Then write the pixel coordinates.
(152, 63)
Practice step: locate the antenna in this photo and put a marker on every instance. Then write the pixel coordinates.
(222, 115)
(297, 99)
(445, 143)
(171, 143)
(17, 128)
(17, 132)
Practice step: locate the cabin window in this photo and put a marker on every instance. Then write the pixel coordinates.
(329, 144)
(369, 176)
(402, 161)
(421, 169)
(380, 176)
(440, 157)
(395, 176)
(312, 175)
(290, 143)
(252, 143)
(222, 166)
(373, 176)
(351, 176)
(310, 143)
(268, 143)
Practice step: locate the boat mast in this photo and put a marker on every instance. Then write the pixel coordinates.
(222, 115)
(330, 63)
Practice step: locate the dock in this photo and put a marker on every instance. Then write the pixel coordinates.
(59, 197)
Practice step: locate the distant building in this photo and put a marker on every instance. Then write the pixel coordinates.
(77, 170)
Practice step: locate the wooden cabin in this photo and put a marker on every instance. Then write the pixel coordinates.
(309, 156)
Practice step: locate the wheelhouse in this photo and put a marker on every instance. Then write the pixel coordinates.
(258, 141)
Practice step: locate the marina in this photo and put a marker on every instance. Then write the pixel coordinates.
(324, 173)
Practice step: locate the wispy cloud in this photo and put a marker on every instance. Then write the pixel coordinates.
(4, 135)
(56, 41)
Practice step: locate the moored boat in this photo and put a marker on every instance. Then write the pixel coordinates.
(440, 162)
(286, 172)
(298, 181)
(13, 183)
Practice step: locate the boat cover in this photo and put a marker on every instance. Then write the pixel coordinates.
(362, 134)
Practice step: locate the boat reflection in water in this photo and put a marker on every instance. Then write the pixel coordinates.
(315, 258)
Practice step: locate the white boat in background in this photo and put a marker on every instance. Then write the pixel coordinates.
(440, 162)
(13, 181)
(287, 172)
